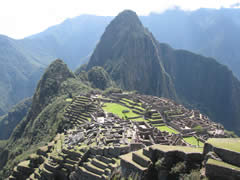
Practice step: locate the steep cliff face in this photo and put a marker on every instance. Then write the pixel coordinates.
(136, 61)
(129, 53)
(204, 84)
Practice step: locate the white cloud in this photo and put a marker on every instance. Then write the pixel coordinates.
(22, 18)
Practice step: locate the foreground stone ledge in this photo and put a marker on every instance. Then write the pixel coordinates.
(221, 170)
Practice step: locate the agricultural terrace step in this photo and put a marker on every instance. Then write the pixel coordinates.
(140, 158)
(50, 167)
(99, 164)
(126, 160)
(105, 159)
(47, 173)
(156, 122)
(146, 152)
(72, 152)
(90, 167)
(89, 174)
(69, 167)
(221, 170)
(70, 161)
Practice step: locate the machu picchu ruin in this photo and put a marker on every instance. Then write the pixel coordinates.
(129, 134)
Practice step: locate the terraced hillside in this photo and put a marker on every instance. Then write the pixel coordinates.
(121, 133)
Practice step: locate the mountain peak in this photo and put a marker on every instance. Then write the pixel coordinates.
(126, 21)
(48, 86)
(128, 16)
(128, 52)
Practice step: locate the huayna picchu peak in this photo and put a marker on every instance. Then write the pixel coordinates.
(128, 52)
(136, 61)
(138, 109)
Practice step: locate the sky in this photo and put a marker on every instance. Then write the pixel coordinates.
(21, 18)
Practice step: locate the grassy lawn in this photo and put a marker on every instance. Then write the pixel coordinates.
(167, 129)
(138, 119)
(117, 109)
(185, 149)
(223, 164)
(69, 99)
(193, 141)
(24, 163)
(232, 144)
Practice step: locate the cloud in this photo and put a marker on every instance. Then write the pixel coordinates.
(23, 18)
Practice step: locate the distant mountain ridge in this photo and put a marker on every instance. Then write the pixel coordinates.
(136, 61)
(19, 73)
(209, 32)
(206, 31)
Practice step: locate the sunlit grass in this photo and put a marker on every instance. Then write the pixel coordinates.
(193, 141)
(232, 144)
(69, 99)
(117, 109)
(167, 129)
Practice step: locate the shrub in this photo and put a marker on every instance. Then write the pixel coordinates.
(159, 164)
(178, 168)
(194, 175)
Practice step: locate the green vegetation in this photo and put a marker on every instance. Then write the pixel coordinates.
(198, 129)
(69, 99)
(2, 143)
(185, 149)
(178, 168)
(9, 121)
(45, 118)
(111, 90)
(194, 175)
(138, 119)
(223, 164)
(167, 129)
(175, 75)
(193, 141)
(19, 73)
(99, 78)
(159, 164)
(117, 109)
(231, 134)
(232, 144)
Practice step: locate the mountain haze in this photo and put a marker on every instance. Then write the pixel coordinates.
(73, 40)
(19, 73)
(136, 61)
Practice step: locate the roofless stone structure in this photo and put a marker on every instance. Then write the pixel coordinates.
(129, 131)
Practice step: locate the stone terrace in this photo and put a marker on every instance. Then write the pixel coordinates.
(97, 140)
